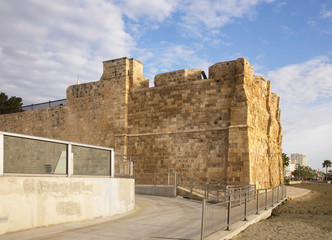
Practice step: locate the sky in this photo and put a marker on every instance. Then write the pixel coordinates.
(46, 45)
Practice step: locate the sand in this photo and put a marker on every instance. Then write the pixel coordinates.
(308, 217)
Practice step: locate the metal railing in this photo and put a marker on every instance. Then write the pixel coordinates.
(48, 104)
(123, 165)
(193, 188)
(155, 179)
(220, 213)
(24, 154)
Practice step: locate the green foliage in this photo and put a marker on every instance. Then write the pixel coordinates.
(11, 105)
(285, 159)
(326, 164)
(305, 172)
(286, 181)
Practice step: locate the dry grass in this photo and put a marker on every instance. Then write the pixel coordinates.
(308, 217)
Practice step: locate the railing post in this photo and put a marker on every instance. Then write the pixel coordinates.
(285, 191)
(228, 213)
(168, 179)
(154, 179)
(257, 206)
(129, 167)
(278, 194)
(266, 199)
(112, 163)
(282, 192)
(245, 207)
(240, 196)
(272, 196)
(70, 160)
(2, 152)
(175, 184)
(203, 219)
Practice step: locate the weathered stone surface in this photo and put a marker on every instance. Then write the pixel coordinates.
(224, 129)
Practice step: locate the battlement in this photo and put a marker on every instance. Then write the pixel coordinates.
(127, 72)
(177, 77)
(229, 69)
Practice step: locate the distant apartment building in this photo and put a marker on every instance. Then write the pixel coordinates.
(298, 159)
(289, 169)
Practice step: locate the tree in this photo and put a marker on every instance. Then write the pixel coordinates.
(326, 164)
(11, 105)
(285, 160)
(304, 172)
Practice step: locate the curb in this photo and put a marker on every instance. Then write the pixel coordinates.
(298, 195)
(252, 219)
(242, 225)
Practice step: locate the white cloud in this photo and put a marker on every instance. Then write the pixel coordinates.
(325, 13)
(155, 10)
(305, 91)
(304, 83)
(172, 57)
(45, 44)
(217, 13)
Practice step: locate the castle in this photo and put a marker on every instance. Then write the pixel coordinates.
(224, 129)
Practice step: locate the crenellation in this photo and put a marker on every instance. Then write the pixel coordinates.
(177, 77)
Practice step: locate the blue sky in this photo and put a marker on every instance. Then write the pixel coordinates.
(44, 45)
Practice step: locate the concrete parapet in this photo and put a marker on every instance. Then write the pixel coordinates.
(31, 202)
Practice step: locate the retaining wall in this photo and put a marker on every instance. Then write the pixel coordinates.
(30, 202)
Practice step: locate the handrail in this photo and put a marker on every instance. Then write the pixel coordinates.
(213, 209)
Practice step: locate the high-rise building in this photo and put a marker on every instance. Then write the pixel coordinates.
(298, 159)
(289, 169)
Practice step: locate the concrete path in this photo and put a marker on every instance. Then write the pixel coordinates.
(155, 218)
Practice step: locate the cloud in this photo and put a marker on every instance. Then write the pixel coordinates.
(155, 10)
(217, 13)
(171, 57)
(305, 91)
(45, 44)
(325, 13)
(304, 83)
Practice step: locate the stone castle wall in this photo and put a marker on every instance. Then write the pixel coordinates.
(224, 129)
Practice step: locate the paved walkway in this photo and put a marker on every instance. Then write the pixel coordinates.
(155, 218)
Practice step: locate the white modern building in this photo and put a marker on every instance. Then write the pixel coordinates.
(298, 159)
(289, 169)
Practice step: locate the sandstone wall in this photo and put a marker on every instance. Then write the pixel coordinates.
(264, 132)
(224, 129)
(180, 128)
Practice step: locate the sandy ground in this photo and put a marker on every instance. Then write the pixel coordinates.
(308, 217)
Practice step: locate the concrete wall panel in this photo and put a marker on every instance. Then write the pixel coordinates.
(30, 202)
